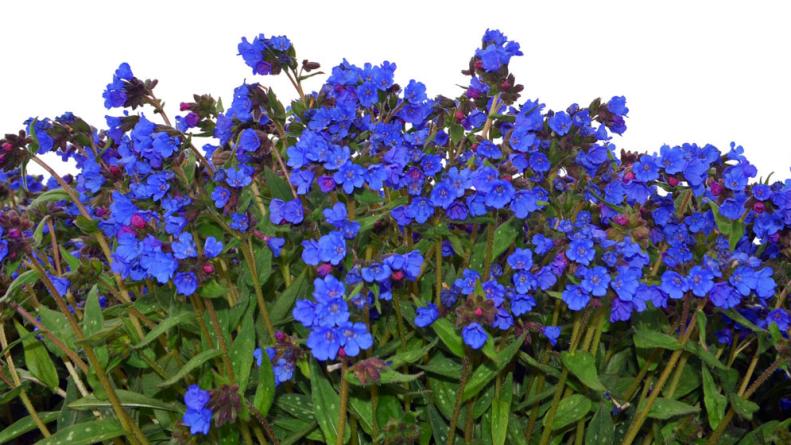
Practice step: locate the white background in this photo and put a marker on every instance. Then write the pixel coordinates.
(692, 71)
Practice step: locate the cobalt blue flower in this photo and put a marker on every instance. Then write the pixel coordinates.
(626, 282)
(552, 333)
(248, 140)
(674, 284)
(415, 92)
(276, 244)
(744, 279)
(240, 222)
(328, 288)
(524, 203)
(521, 259)
(354, 337)
(541, 244)
(488, 149)
(324, 343)
(701, 280)
(239, 177)
(595, 280)
(560, 123)
(581, 251)
(420, 209)
(281, 211)
(443, 194)
(646, 169)
(212, 247)
(522, 304)
(332, 248)
(575, 297)
(426, 315)
(500, 194)
(781, 318)
(197, 417)
(474, 335)
(351, 176)
(724, 296)
(617, 106)
(466, 283)
(184, 247)
(220, 195)
(186, 283)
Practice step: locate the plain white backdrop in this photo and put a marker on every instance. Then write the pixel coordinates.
(702, 71)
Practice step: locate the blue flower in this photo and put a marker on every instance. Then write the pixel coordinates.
(305, 312)
(595, 280)
(184, 247)
(426, 315)
(466, 283)
(276, 245)
(212, 247)
(186, 283)
(701, 280)
(324, 343)
(617, 106)
(522, 304)
(328, 288)
(541, 244)
(248, 140)
(646, 169)
(239, 177)
(560, 123)
(765, 287)
(420, 209)
(626, 282)
(552, 333)
(332, 248)
(351, 176)
(581, 251)
(674, 284)
(779, 317)
(524, 203)
(474, 335)
(724, 296)
(220, 195)
(354, 338)
(521, 259)
(488, 149)
(415, 92)
(500, 194)
(575, 297)
(744, 279)
(197, 417)
(376, 272)
(240, 222)
(443, 194)
(281, 211)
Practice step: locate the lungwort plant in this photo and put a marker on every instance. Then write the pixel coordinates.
(370, 265)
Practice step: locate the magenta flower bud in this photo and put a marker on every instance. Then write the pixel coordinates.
(672, 181)
(208, 268)
(114, 170)
(458, 115)
(101, 212)
(323, 269)
(326, 184)
(759, 207)
(184, 106)
(478, 312)
(342, 352)
(14, 233)
(716, 188)
(397, 275)
(628, 176)
(7, 147)
(621, 220)
(138, 222)
(280, 336)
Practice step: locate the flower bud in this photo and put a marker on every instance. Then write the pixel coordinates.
(137, 221)
(208, 268)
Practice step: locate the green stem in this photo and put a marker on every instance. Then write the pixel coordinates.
(438, 273)
(466, 370)
(344, 401)
(247, 252)
(487, 265)
(226, 357)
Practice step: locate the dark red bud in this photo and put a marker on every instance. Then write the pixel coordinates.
(759, 207)
(716, 188)
(458, 115)
(397, 275)
(341, 352)
(628, 176)
(672, 181)
(621, 220)
(138, 222)
(280, 336)
(478, 64)
(7, 147)
(323, 269)
(101, 212)
(184, 106)
(14, 233)
(114, 170)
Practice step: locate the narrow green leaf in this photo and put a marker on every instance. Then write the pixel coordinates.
(164, 326)
(212, 289)
(743, 407)
(85, 433)
(128, 399)
(386, 376)
(449, 336)
(242, 350)
(488, 370)
(25, 425)
(265, 391)
(501, 410)
(281, 309)
(23, 279)
(665, 408)
(646, 338)
(193, 363)
(277, 185)
(49, 196)
(714, 401)
(410, 356)
(326, 404)
(570, 409)
(582, 365)
(37, 359)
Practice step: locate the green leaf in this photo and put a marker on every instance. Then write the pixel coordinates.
(743, 407)
(93, 322)
(326, 404)
(571, 409)
(164, 326)
(646, 338)
(714, 402)
(38, 234)
(664, 408)
(442, 365)
(449, 336)
(23, 279)
(504, 237)
(488, 370)
(265, 391)
(85, 433)
(277, 185)
(193, 363)
(386, 376)
(583, 366)
(212, 289)
(601, 429)
(49, 196)
(281, 309)
(501, 410)
(411, 355)
(25, 425)
(37, 358)
(128, 399)
(87, 226)
(242, 350)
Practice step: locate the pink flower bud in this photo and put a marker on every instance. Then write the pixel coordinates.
(478, 312)
(138, 222)
(208, 268)
(759, 207)
(397, 275)
(672, 181)
(323, 269)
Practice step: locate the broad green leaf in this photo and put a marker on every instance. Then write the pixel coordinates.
(743, 407)
(85, 433)
(410, 356)
(386, 376)
(326, 404)
(25, 425)
(298, 405)
(11, 394)
(23, 279)
(93, 322)
(442, 365)
(570, 409)
(664, 409)
(488, 370)
(212, 289)
(774, 431)
(37, 359)
(242, 350)
(38, 234)
(193, 363)
(281, 308)
(265, 391)
(501, 410)
(438, 426)
(449, 336)
(53, 195)
(714, 401)
(164, 326)
(646, 338)
(582, 365)
(601, 429)
(277, 185)
(128, 398)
